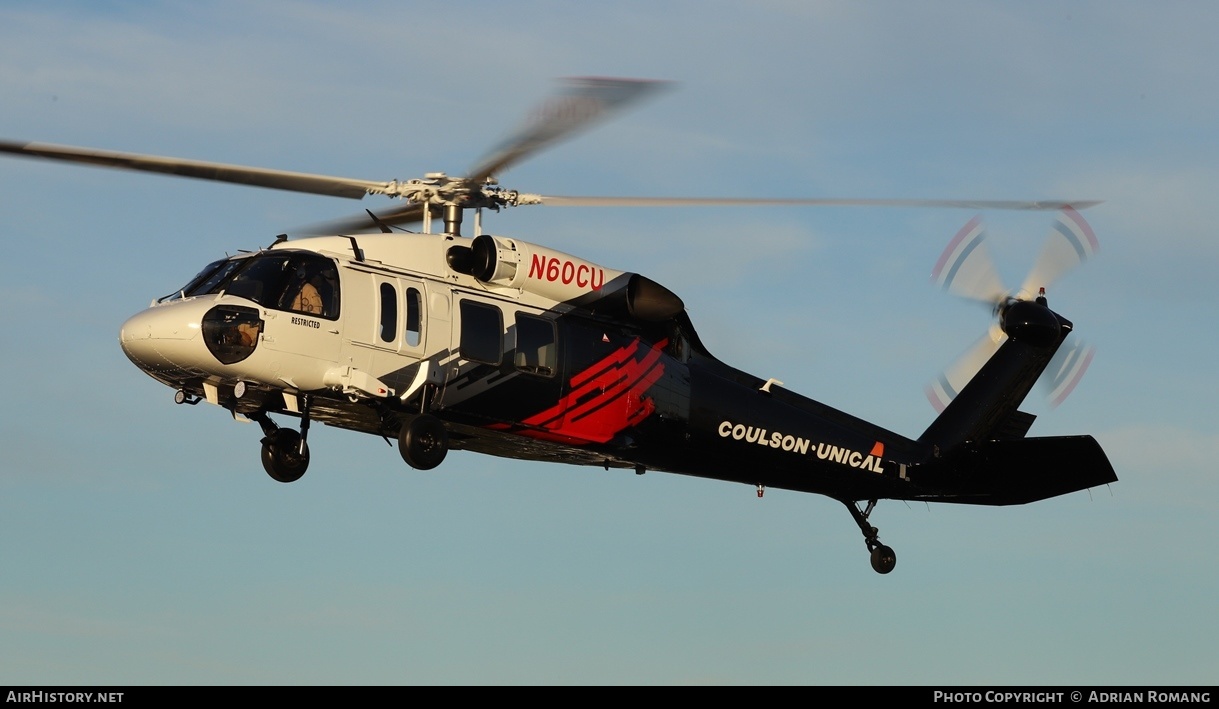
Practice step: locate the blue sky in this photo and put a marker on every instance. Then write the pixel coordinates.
(143, 544)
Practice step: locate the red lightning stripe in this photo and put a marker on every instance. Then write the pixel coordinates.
(605, 399)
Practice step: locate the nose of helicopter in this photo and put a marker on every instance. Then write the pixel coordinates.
(164, 339)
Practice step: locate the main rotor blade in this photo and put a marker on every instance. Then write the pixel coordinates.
(402, 216)
(199, 169)
(1035, 205)
(581, 103)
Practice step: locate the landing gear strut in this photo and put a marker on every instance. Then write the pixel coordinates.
(423, 441)
(883, 557)
(285, 453)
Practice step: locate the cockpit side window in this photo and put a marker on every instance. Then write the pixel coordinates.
(262, 280)
(296, 281)
(312, 287)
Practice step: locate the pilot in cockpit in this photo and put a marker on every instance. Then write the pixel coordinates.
(312, 292)
(308, 299)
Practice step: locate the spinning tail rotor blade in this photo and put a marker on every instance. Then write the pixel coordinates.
(1070, 243)
(966, 268)
(1066, 369)
(944, 388)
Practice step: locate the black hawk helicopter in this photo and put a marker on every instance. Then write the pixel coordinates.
(508, 348)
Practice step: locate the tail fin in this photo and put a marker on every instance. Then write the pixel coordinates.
(986, 408)
(981, 456)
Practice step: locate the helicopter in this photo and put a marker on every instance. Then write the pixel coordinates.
(505, 347)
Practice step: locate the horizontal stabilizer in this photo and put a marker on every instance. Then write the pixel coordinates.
(1015, 472)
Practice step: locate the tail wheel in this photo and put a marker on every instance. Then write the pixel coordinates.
(423, 441)
(284, 456)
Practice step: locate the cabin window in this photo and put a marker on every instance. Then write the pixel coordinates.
(482, 332)
(414, 317)
(388, 328)
(535, 345)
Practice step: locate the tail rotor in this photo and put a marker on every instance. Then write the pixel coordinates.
(1065, 371)
(943, 389)
(967, 269)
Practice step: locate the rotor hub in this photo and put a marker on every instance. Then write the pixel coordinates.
(1030, 322)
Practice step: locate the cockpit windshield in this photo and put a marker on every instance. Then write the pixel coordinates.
(296, 281)
(196, 282)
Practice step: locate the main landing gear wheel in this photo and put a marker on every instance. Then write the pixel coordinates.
(883, 557)
(283, 455)
(423, 441)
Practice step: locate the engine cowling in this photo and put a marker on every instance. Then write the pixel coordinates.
(511, 263)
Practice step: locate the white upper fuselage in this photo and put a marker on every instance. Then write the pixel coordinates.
(395, 306)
